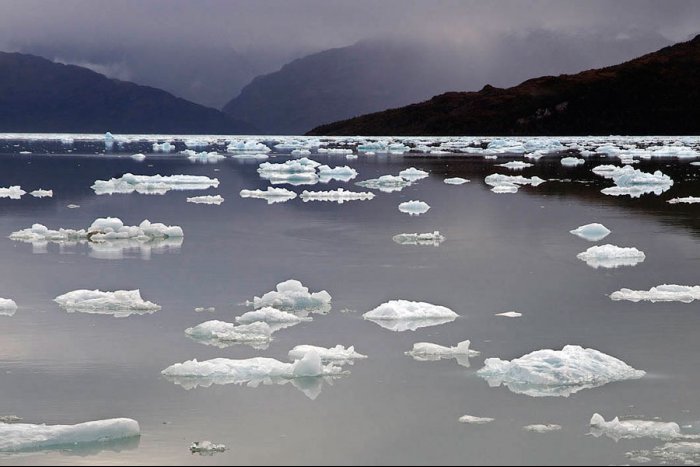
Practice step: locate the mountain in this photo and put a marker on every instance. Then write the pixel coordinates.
(377, 74)
(38, 95)
(653, 94)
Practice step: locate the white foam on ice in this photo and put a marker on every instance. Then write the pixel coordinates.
(339, 196)
(631, 429)
(271, 194)
(661, 293)
(222, 334)
(592, 232)
(27, 437)
(291, 295)
(611, 256)
(153, 184)
(207, 199)
(414, 207)
(13, 192)
(546, 373)
(472, 420)
(337, 355)
(428, 238)
(120, 304)
(455, 181)
(404, 315)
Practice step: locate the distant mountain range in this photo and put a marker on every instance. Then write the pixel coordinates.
(38, 95)
(657, 93)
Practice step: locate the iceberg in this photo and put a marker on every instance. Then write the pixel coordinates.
(40, 193)
(686, 200)
(338, 196)
(661, 293)
(611, 256)
(291, 295)
(630, 429)
(515, 165)
(405, 315)
(27, 437)
(413, 174)
(271, 195)
(208, 199)
(542, 428)
(510, 183)
(557, 373)
(385, 183)
(13, 192)
(456, 181)
(414, 208)
(152, 184)
(572, 161)
(337, 355)
(206, 447)
(472, 420)
(592, 232)
(120, 304)
(222, 334)
(434, 238)
(428, 352)
(7, 307)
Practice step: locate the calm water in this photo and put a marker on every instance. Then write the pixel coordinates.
(502, 252)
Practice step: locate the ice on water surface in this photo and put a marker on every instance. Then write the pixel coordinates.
(632, 182)
(611, 256)
(291, 295)
(510, 183)
(8, 307)
(206, 447)
(120, 304)
(592, 232)
(473, 420)
(456, 181)
(685, 200)
(207, 199)
(13, 192)
(412, 173)
(660, 293)
(339, 196)
(428, 238)
(629, 429)
(271, 194)
(153, 184)
(414, 207)
(405, 315)
(338, 355)
(542, 428)
(275, 318)
(41, 193)
(515, 165)
(222, 334)
(386, 183)
(429, 352)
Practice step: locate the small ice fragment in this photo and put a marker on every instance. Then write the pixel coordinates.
(13, 192)
(163, 147)
(510, 183)
(201, 309)
(206, 448)
(7, 307)
(255, 157)
(139, 157)
(629, 429)
(339, 196)
(686, 200)
(661, 293)
(412, 173)
(455, 181)
(275, 318)
(592, 232)
(472, 420)
(73, 206)
(41, 193)
(542, 428)
(572, 161)
(338, 355)
(208, 199)
(271, 195)
(153, 184)
(385, 183)
(434, 238)
(291, 295)
(429, 352)
(10, 419)
(404, 315)
(611, 256)
(510, 314)
(414, 208)
(121, 303)
(222, 334)
(340, 173)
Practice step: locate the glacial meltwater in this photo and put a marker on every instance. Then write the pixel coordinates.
(558, 330)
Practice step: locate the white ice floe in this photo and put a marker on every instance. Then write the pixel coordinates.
(109, 141)
(138, 157)
(611, 256)
(253, 156)
(275, 318)
(247, 145)
(413, 174)
(510, 314)
(515, 165)
(510, 183)
(428, 238)
(163, 147)
(222, 334)
(572, 161)
(547, 372)
(455, 181)
(120, 304)
(340, 173)
(675, 453)
(429, 352)
(41, 193)
(592, 232)
(271, 194)
(661, 293)
(630, 429)
(351, 157)
(542, 428)
(153, 184)
(338, 355)
(26, 437)
(632, 182)
(206, 447)
(339, 196)
(291, 295)
(7, 307)
(294, 172)
(405, 315)
(686, 200)
(414, 207)
(385, 183)
(13, 192)
(300, 152)
(208, 199)
(472, 420)
(203, 157)
(201, 309)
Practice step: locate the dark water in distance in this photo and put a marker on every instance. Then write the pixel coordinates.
(502, 252)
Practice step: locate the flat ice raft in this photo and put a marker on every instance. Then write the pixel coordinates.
(404, 315)
(101, 230)
(26, 437)
(153, 184)
(661, 293)
(121, 303)
(611, 256)
(630, 429)
(429, 352)
(548, 373)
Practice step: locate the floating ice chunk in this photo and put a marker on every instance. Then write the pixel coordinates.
(255, 157)
(632, 182)
(340, 173)
(592, 232)
(73, 206)
(547, 372)
(434, 238)
(472, 420)
(611, 256)
(630, 429)
(404, 315)
(677, 453)
(680, 152)
(40, 193)
(208, 199)
(26, 437)
(7, 307)
(277, 319)
(206, 447)
(272, 195)
(414, 208)
(510, 314)
(120, 304)
(413, 174)
(515, 165)
(10, 419)
(661, 293)
(339, 196)
(295, 172)
(695, 163)
(456, 181)
(13, 192)
(163, 147)
(109, 141)
(542, 428)
(291, 295)
(428, 352)
(153, 184)
(249, 145)
(510, 183)
(301, 152)
(338, 355)
(572, 161)
(222, 334)
(139, 157)
(201, 309)
(351, 157)
(686, 200)
(204, 157)
(385, 183)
